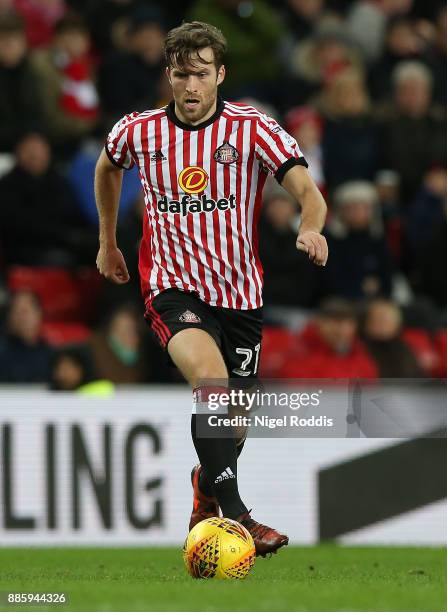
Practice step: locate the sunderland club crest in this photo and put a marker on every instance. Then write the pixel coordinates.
(189, 317)
(226, 153)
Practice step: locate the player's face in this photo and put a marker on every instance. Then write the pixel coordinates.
(194, 87)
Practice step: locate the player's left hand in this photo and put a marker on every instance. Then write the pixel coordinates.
(315, 245)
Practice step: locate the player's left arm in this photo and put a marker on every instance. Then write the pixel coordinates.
(298, 182)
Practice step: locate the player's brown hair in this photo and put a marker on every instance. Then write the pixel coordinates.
(186, 41)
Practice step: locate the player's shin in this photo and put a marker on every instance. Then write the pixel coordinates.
(205, 485)
(240, 445)
(217, 452)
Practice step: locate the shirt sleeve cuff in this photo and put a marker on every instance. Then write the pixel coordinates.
(293, 161)
(115, 163)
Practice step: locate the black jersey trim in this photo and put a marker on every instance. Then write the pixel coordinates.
(110, 156)
(293, 161)
(170, 113)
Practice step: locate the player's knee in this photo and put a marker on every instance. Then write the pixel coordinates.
(204, 373)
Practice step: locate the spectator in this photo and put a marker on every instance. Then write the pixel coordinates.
(414, 134)
(301, 17)
(387, 185)
(72, 370)
(381, 331)
(253, 31)
(359, 265)
(24, 356)
(40, 18)
(81, 175)
(290, 278)
(7, 8)
(109, 22)
(20, 106)
(350, 145)
(129, 80)
(39, 219)
(329, 348)
(426, 212)
(306, 126)
(67, 88)
(438, 58)
(316, 60)
(367, 22)
(430, 278)
(402, 43)
(118, 353)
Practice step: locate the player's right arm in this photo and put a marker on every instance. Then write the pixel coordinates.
(108, 181)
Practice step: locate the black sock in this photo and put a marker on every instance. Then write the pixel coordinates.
(218, 457)
(204, 484)
(240, 446)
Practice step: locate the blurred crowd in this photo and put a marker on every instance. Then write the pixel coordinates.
(360, 84)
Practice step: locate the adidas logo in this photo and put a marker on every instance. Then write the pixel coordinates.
(158, 156)
(226, 474)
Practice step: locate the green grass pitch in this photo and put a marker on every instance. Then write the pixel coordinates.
(321, 579)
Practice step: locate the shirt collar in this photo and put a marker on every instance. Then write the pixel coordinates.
(170, 112)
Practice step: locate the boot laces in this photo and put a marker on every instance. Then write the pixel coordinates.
(256, 529)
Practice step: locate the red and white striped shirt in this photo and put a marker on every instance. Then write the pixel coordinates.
(203, 187)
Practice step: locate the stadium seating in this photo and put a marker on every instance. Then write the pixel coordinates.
(65, 295)
(424, 348)
(277, 343)
(441, 344)
(58, 333)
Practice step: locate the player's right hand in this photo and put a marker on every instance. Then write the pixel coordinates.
(110, 263)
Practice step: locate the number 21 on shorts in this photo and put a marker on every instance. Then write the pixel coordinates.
(247, 354)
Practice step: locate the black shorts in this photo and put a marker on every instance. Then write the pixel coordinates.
(238, 333)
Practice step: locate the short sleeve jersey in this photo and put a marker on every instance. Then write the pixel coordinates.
(203, 189)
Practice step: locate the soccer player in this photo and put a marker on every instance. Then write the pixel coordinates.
(203, 163)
